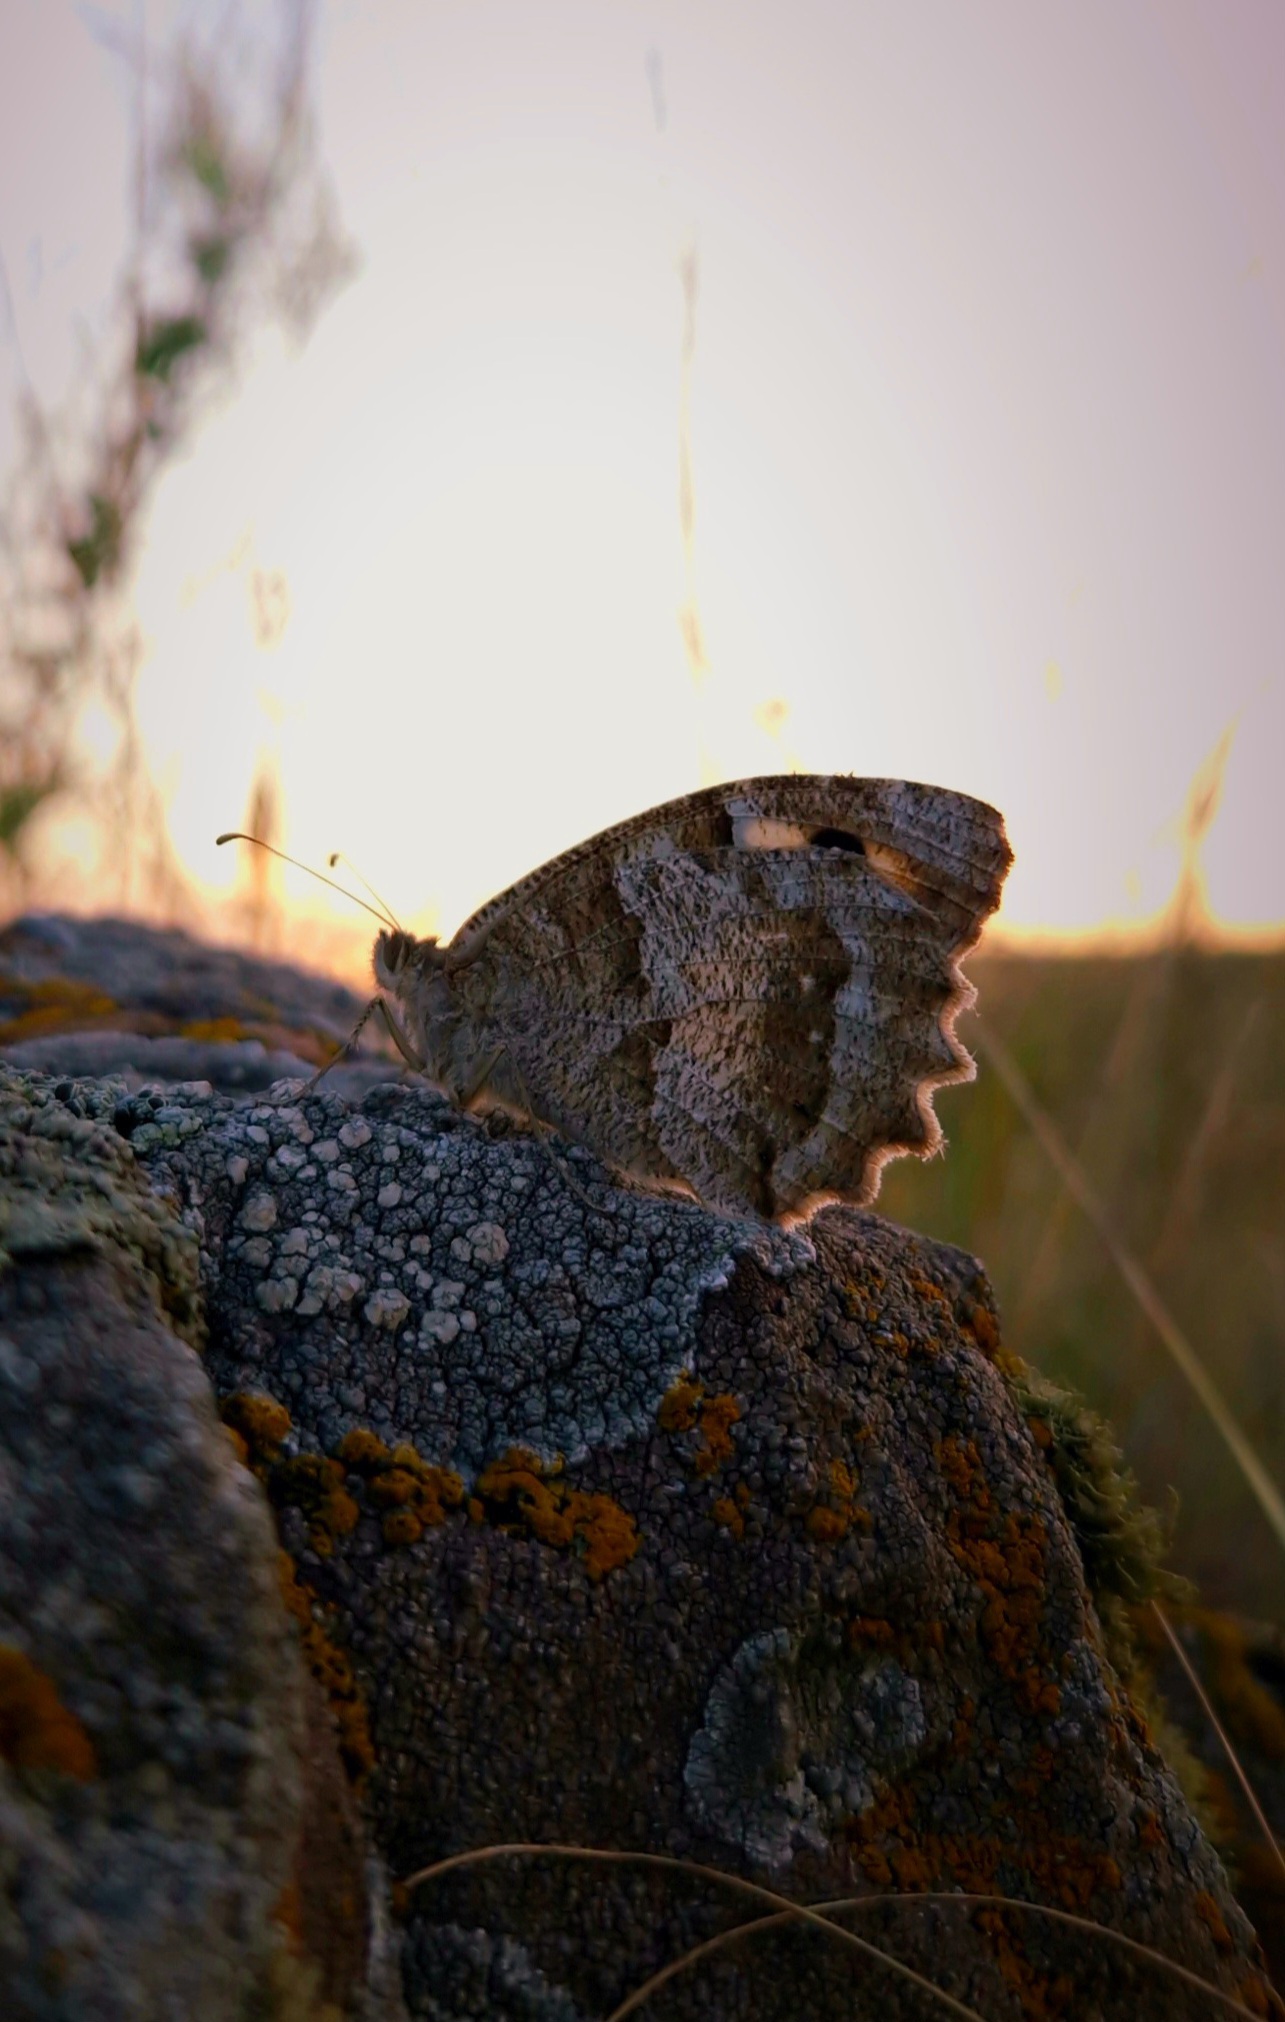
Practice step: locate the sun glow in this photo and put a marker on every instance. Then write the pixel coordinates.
(702, 417)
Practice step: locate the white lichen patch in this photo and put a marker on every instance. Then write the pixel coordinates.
(488, 1243)
(496, 1318)
(439, 1328)
(276, 1295)
(387, 1307)
(797, 1736)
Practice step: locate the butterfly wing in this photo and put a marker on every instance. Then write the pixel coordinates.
(752, 989)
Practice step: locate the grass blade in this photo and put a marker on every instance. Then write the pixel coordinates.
(1147, 1953)
(1223, 1738)
(1175, 1341)
(613, 1856)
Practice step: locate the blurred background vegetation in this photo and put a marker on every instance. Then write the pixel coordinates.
(234, 225)
(1163, 1072)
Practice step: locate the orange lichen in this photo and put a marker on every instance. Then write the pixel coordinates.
(1212, 1917)
(927, 1288)
(1041, 1995)
(980, 1322)
(856, 1302)
(960, 1464)
(827, 1522)
(261, 1422)
(415, 1499)
(1257, 1995)
(525, 1495)
(1059, 1868)
(726, 1513)
(56, 1004)
(867, 1633)
(315, 1485)
(1004, 1556)
(393, 1487)
(287, 1914)
(678, 1406)
(412, 1493)
(36, 1730)
(871, 1630)
(685, 1407)
(333, 1671)
(238, 1445)
(304, 1043)
(218, 1031)
(717, 1417)
(362, 1451)
(1037, 1694)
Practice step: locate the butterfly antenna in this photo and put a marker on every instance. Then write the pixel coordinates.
(239, 835)
(338, 857)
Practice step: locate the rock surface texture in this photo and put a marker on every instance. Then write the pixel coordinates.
(605, 1519)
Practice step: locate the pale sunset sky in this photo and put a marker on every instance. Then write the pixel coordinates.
(987, 422)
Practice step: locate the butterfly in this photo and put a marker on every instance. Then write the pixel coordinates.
(749, 993)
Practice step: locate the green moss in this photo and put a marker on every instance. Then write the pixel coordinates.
(1122, 1542)
(69, 1183)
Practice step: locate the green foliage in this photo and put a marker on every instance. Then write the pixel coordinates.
(97, 552)
(202, 156)
(211, 257)
(161, 345)
(17, 805)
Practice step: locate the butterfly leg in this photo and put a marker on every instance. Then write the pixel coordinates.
(377, 1005)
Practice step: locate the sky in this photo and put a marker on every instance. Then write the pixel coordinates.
(985, 417)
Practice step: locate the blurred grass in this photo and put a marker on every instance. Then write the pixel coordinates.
(1163, 1073)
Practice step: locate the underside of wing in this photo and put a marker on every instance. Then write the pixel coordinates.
(752, 989)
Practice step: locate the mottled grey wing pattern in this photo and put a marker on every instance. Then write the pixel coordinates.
(752, 989)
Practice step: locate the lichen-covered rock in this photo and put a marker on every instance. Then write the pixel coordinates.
(176, 1837)
(606, 1520)
(96, 997)
(633, 1525)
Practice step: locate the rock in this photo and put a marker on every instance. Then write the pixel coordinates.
(615, 1522)
(98, 997)
(176, 1835)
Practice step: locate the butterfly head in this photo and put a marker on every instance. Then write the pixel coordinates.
(401, 958)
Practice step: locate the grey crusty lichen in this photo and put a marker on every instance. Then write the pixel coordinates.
(629, 1524)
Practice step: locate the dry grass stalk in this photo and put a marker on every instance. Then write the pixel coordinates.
(1224, 1739)
(820, 1914)
(234, 223)
(1079, 1185)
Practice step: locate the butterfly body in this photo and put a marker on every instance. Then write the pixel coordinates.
(749, 992)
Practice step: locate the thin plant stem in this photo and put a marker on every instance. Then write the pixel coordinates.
(1149, 980)
(1147, 1953)
(1184, 1195)
(1175, 1341)
(1223, 1737)
(613, 1856)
